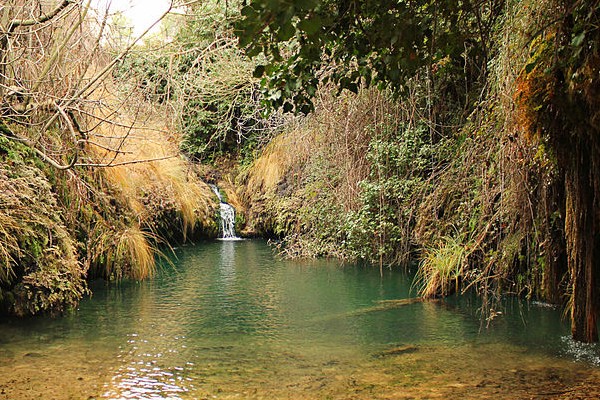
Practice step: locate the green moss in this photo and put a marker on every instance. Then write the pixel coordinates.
(41, 269)
(240, 221)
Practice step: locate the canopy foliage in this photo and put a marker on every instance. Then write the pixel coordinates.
(351, 42)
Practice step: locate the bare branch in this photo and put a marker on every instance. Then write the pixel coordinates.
(41, 19)
(60, 48)
(106, 147)
(94, 80)
(114, 164)
(13, 136)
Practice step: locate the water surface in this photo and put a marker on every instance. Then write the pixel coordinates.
(229, 320)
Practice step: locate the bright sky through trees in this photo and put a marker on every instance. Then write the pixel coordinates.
(141, 13)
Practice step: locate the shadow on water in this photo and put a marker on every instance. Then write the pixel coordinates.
(230, 320)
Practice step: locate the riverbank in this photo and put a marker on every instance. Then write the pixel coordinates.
(62, 228)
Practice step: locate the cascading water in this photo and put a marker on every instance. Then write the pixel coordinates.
(227, 216)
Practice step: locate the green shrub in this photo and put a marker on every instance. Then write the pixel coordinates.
(380, 230)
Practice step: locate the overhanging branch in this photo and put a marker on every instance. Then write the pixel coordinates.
(41, 19)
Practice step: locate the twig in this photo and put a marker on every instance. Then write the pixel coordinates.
(119, 164)
(41, 19)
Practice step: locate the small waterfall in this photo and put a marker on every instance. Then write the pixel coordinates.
(227, 216)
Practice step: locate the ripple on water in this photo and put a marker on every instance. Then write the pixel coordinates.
(582, 352)
(148, 383)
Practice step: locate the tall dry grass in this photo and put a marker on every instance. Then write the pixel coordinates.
(139, 158)
(339, 132)
(442, 268)
(163, 181)
(11, 229)
(124, 252)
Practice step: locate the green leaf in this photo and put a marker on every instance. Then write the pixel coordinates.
(252, 51)
(305, 4)
(578, 40)
(259, 71)
(311, 26)
(286, 31)
(245, 40)
(248, 12)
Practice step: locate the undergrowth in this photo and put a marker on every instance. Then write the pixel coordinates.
(60, 228)
(442, 268)
(39, 268)
(463, 189)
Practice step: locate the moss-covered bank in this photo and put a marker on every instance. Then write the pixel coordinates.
(60, 228)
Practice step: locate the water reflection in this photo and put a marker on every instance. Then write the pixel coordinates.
(226, 264)
(227, 252)
(146, 383)
(151, 365)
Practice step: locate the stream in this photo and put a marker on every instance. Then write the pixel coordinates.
(229, 320)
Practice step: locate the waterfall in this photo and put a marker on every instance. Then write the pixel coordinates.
(227, 216)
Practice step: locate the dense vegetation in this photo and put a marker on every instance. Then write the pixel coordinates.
(490, 174)
(461, 135)
(76, 203)
(206, 80)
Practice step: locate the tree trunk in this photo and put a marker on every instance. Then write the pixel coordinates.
(555, 251)
(573, 131)
(582, 236)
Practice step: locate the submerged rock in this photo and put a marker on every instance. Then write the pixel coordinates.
(396, 351)
(34, 355)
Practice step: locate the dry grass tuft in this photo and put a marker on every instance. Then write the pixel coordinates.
(166, 191)
(10, 229)
(281, 154)
(442, 268)
(133, 244)
(123, 252)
